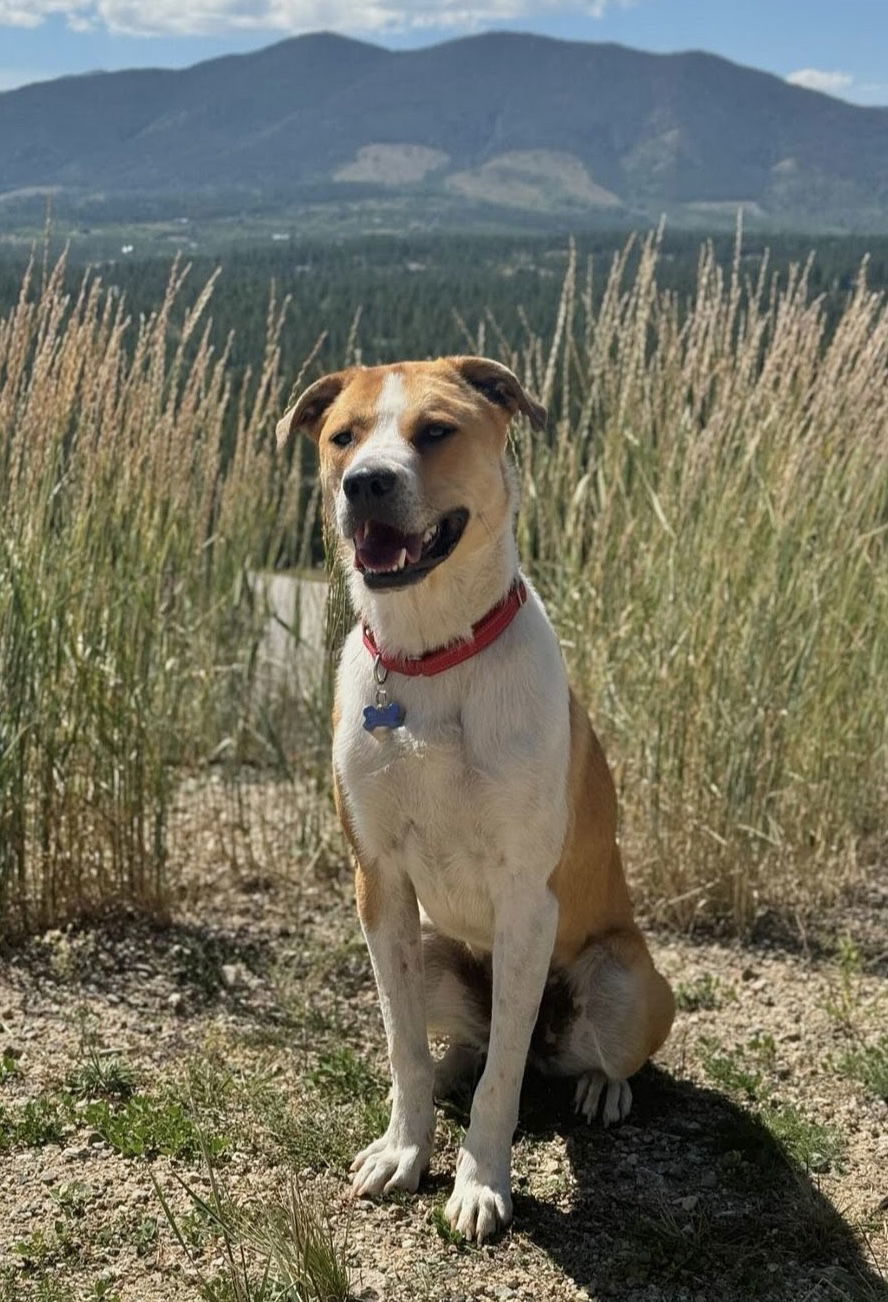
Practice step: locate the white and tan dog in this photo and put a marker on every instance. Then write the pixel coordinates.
(470, 784)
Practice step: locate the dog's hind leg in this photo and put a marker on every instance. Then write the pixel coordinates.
(457, 1073)
(457, 990)
(621, 1012)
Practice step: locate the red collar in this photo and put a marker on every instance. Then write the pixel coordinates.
(487, 630)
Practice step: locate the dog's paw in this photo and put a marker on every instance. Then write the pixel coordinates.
(617, 1098)
(385, 1166)
(478, 1208)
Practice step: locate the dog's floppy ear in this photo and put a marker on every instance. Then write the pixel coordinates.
(500, 386)
(309, 407)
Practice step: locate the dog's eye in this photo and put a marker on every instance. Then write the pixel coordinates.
(343, 439)
(435, 432)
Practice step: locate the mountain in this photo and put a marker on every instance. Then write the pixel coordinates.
(514, 123)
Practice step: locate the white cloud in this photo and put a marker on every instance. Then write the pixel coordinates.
(831, 83)
(31, 13)
(155, 17)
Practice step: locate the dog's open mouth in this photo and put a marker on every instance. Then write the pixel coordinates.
(388, 558)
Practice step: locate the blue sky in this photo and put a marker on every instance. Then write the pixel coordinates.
(839, 46)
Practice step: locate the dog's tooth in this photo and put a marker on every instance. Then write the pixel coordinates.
(402, 559)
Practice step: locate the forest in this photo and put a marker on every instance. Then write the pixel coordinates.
(385, 296)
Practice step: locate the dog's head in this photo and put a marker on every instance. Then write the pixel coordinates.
(412, 459)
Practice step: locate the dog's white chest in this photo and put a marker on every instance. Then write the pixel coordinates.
(419, 807)
(470, 787)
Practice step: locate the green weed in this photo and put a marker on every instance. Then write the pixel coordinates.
(149, 1126)
(703, 993)
(814, 1146)
(312, 1132)
(444, 1229)
(101, 1076)
(334, 1114)
(732, 1069)
(343, 1075)
(282, 1250)
(8, 1066)
(747, 1071)
(868, 1064)
(43, 1248)
(843, 1003)
(104, 1291)
(144, 1235)
(40, 1121)
(73, 1198)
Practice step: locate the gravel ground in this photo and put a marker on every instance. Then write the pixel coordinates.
(754, 1163)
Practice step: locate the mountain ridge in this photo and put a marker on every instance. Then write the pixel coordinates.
(519, 122)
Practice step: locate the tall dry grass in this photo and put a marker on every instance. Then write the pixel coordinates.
(709, 523)
(125, 538)
(707, 520)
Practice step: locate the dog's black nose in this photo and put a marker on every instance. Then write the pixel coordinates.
(367, 484)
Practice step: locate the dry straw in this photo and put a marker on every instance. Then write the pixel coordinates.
(709, 525)
(125, 538)
(707, 520)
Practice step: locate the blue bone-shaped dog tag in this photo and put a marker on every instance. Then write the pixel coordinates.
(383, 716)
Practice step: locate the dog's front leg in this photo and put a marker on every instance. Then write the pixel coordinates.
(390, 920)
(481, 1202)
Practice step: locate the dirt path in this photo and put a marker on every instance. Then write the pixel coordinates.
(753, 1165)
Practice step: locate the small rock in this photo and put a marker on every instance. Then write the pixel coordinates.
(689, 1203)
(75, 1153)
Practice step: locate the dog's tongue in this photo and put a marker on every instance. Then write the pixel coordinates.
(379, 546)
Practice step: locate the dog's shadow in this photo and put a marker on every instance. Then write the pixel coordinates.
(693, 1197)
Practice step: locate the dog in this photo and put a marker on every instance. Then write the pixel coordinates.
(473, 791)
